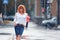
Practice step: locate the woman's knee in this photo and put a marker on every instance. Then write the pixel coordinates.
(19, 35)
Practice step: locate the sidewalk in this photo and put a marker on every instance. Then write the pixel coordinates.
(6, 33)
(34, 32)
(38, 33)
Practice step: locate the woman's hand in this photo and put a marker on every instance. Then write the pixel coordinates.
(14, 24)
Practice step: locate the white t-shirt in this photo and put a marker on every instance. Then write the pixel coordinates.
(20, 19)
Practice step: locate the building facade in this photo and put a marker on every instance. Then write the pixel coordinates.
(37, 9)
(39, 4)
(44, 9)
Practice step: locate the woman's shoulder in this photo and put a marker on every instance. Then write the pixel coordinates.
(16, 13)
(26, 13)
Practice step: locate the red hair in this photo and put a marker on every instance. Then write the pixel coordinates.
(21, 7)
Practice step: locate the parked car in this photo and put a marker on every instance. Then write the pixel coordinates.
(50, 23)
(9, 18)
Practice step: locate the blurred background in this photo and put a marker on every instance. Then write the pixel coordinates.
(43, 13)
(37, 9)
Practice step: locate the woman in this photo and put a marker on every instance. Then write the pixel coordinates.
(20, 21)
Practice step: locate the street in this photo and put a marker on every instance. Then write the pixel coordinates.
(34, 32)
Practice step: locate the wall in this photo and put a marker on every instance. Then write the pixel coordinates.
(54, 8)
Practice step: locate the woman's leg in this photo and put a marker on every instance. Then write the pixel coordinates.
(17, 32)
(18, 37)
